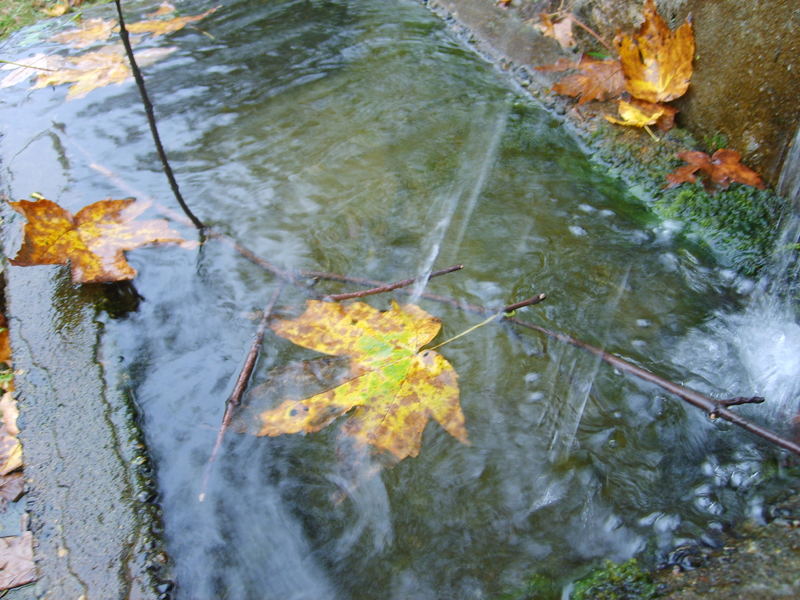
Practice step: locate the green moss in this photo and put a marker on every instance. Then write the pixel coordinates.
(537, 587)
(741, 221)
(15, 14)
(715, 142)
(625, 581)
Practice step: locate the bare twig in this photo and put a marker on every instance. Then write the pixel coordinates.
(695, 398)
(593, 33)
(151, 119)
(709, 405)
(390, 287)
(241, 384)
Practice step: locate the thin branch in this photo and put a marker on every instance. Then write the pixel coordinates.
(593, 33)
(529, 302)
(392, 286)
(709, 405)
(151, 119)
(235, 398)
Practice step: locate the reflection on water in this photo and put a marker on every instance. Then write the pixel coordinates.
(359, 137)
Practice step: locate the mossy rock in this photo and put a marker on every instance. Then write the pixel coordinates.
(624, 581)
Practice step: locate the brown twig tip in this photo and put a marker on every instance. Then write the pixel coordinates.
(391, 286)
(522, 304)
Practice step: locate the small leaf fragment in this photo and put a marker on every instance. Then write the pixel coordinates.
(393, 388)
(92, 241)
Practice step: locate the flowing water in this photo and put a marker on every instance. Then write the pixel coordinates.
(359, 137)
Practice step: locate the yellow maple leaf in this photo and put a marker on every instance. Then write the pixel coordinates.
(163, 26)
(98, 69)
(92, 241)
(637, 115)
(394, 387)
(90, 31)
(656, 61)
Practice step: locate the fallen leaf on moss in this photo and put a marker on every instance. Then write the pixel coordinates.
(98, 69)
(656, 61)
(722, 168)
(394, 387)
(560, 31)
(16, 561)
(595, 80)
(92, 241)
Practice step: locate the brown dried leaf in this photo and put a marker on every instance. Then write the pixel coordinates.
(596, 80)
(722, 168)
(16, 561)
(92, 241)
(656, 61)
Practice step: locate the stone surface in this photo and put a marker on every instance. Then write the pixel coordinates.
(92, 532)
(746, 83)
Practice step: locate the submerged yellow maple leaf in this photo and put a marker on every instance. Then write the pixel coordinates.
(394, 387)
(98, 69)
(92, 240)
(656, 61)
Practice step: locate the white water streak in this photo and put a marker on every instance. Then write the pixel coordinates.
(469, 183)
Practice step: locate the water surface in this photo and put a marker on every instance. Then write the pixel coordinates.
(362, 138)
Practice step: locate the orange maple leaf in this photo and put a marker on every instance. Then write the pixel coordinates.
(92, 241)
(656, 61)
(722, 168)
(595, 80)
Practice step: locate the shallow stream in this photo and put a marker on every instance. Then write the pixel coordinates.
(360, 137)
